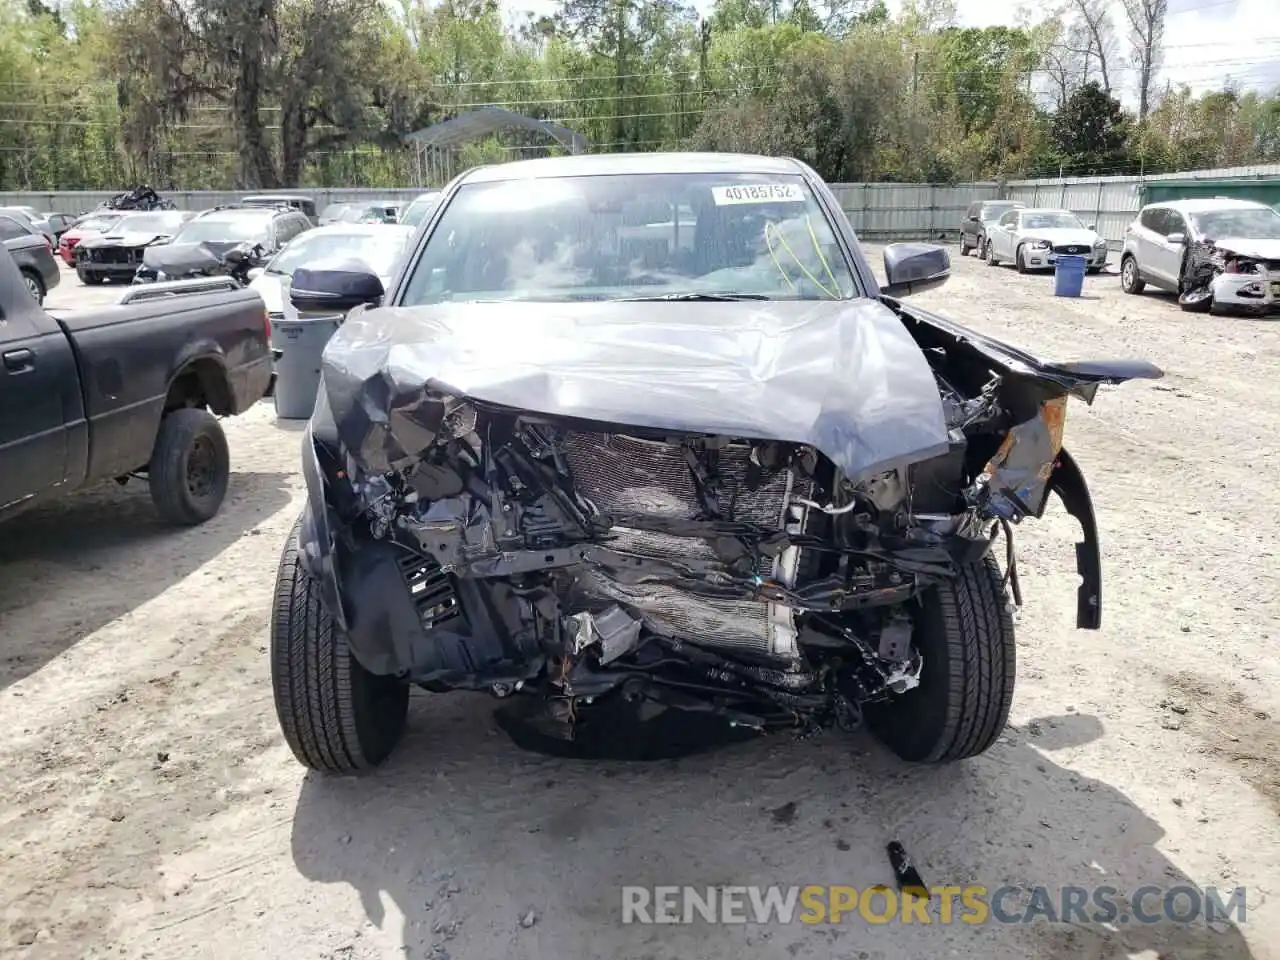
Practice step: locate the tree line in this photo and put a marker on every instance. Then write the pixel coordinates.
(97, 94)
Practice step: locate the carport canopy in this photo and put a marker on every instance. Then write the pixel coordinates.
(486, 120)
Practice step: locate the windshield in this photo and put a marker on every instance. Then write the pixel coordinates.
(380, 251)
(1051, 221)
(97, 223)
(253, 229)
(994, 211)
(417, 211)
(148, 223)
(379, 212)
(618, 237)
(1250, 223)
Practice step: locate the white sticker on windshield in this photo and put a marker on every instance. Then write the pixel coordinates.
(758, 193)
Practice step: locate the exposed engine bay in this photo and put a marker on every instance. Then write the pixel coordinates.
(480, 532)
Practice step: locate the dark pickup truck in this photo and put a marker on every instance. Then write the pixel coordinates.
(126, 391)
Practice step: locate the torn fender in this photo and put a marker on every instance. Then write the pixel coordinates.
(1067, 481)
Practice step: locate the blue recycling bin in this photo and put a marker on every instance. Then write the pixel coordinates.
(1068, 276)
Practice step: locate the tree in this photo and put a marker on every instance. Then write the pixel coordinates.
(1091, 132)
(1080, 48)
(195, 94)
(622, 34)
(974, 66)
(1146, 45)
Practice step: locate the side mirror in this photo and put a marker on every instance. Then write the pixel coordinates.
(914, 267)
(335, 287)
(1177, 239)
(255, 273)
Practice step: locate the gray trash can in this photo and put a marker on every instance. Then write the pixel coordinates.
(301, 343)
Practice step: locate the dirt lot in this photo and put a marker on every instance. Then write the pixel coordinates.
(152, 810)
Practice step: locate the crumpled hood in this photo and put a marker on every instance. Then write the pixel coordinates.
(176, 259)
(1057, 237)
(124, 240)
(843, 376)
(1254, 249)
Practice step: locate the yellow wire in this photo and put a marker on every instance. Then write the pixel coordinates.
(817, 248)
(768, 241)
(803, 269)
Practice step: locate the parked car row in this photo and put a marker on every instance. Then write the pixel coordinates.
(1218, 254)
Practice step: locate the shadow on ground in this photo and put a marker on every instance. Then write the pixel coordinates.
(465, 836)
(71, 566)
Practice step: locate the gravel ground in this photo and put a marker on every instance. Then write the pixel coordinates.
(152, 810)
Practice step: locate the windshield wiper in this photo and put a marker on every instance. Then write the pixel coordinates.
(712, 297)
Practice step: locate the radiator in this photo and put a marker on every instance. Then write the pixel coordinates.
(625, 475)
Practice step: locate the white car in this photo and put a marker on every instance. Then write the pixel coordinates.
(1217, 254)
(422, 205)
(381, 246)
(1034, 238)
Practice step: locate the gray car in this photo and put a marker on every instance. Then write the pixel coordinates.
(33, 255)
(640, 444)
(38, 221)
(980, 215)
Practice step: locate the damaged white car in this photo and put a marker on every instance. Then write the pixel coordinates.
(1219, 254)
(639, 445)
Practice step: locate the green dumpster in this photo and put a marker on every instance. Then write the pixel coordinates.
(1262, 189)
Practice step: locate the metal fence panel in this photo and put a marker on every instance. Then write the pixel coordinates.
(909, 211)
(878, 211)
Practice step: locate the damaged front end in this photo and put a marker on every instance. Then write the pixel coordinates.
(1234, 275)
(766, 571)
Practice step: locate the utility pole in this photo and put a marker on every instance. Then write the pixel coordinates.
(915, 74)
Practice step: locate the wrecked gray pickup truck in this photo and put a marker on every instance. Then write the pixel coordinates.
(645, 449)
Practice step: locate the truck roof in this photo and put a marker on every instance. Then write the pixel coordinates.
(604, 164)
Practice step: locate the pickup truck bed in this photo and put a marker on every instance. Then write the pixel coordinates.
(125, 390)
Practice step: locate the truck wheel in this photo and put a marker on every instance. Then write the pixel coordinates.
(964, 245)
(336, 716)
(35, 286)
(190, 467)
(88, 279)
(964, 633)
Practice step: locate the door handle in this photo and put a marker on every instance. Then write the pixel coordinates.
(19, 361)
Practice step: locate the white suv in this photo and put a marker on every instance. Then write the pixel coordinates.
(1214, 253)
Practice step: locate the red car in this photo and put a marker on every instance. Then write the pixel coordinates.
(90, 226)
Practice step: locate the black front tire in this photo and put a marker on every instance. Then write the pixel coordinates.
(190, 467)
(964, 247)
(964, 633)
(336, 716)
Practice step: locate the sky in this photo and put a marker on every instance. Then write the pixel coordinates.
(1206, 41)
